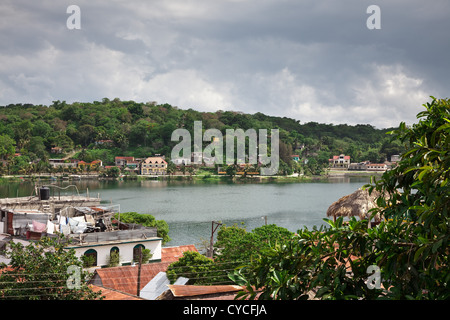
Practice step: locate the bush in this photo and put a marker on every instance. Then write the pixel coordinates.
(147, 220)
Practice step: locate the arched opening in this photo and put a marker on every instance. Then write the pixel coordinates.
(137, 250)
(114, 257)
(90, 258)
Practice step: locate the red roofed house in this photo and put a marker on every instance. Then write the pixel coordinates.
(341, 161)
(125, 278)
(122, 161)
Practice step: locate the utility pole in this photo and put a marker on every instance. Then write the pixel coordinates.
(213, 230)
(139, 272)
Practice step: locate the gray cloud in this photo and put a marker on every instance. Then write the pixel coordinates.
(309, 60)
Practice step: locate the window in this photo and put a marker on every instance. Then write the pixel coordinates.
(114, 249)
(90, 258)
(114, 257)
(137, 251)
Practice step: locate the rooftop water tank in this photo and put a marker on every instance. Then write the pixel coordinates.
(44, 193)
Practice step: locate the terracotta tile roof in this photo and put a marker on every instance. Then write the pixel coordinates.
(110, 294)
(172, 254)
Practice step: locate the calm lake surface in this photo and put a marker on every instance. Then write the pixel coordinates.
(189, 207)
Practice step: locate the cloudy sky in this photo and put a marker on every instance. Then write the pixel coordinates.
(312, 60)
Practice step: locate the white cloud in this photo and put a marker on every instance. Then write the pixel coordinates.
(313, 61)
(187, 89)
(384, 97)
(389, 96)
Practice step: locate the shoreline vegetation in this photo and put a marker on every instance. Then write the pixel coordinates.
(195, 177)
(97, 132)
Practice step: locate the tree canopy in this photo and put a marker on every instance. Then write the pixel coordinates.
(147, 220)
(44, 270)
(142, 129)
(404, 257)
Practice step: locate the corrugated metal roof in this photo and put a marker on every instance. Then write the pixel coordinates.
(110, 294)
(125, 278)
(158, 285)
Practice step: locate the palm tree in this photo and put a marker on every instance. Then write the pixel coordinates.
(191, 171)
(171, 168)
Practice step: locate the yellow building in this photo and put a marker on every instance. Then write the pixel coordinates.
(154, 166)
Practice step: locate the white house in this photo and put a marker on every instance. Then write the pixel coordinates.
(127, 243)
(340, 161)
(181, 161)
(376, 167)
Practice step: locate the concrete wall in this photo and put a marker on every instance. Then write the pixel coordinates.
(125, 250)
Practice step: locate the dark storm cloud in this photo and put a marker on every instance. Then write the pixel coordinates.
(309, 60)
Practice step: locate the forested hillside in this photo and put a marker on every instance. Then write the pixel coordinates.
(144, 129)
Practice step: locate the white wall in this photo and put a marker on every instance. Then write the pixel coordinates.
(125, 251)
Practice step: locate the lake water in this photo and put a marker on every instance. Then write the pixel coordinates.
(190, 207)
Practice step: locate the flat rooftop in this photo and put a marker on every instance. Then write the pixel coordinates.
(55, 199)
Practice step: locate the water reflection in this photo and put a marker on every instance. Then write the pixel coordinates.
(189, 207)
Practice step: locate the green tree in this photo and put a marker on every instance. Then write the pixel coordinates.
(113, 172)
(7, 146)
(420, 211)
(20, 165)
(198, 268)
(146, 220)
(39, 271)
(41, 129)
(235, 244)
(36, 146)
(231, 170)
(171, 168)
(191, 170)
(409, 246)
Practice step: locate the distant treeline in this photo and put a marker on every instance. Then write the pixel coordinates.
(108, 128)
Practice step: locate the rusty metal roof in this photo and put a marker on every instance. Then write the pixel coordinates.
(125, 278)
(110, 294)
(185, 291)
(172, 254)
